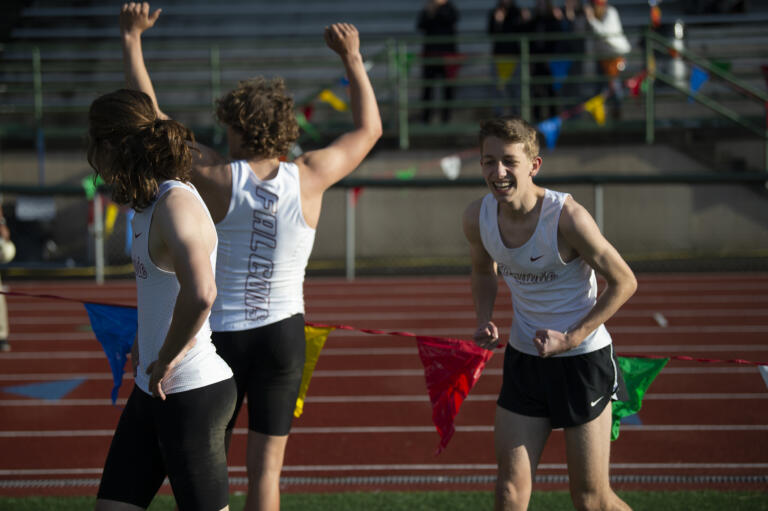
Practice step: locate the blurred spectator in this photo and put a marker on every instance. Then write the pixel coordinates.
(574, 21)
(546, 21)
(611, 45)
(506, 19)
(438, 18)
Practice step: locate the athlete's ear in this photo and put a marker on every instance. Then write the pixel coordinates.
(535, 166)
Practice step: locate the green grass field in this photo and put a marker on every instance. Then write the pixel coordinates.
(442, 501)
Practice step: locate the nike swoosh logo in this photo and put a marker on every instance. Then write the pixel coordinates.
(593, 403)
(137, 234)
(536, 258)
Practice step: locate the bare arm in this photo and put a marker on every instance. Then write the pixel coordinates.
(581, 234)
(135, 18)
(322, 168)
(188, 238)
(484, 279)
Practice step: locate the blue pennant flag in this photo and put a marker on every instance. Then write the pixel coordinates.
(559, 70)
(551, 130)
(698, 78)
(115, 328)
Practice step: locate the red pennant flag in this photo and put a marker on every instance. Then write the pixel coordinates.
(451, 369)
(634, 83)
(308, 111)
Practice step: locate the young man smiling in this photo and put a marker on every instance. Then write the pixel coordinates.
(559, 366)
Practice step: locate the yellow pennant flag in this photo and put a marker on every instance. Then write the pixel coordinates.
(596, 107)
(315, 337)
(504, 71)
(332, 99)
(110, 218)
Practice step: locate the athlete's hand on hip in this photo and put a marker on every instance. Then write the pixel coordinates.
(157, 372)
(342, 38)
(550, 342)
(135, 17)
(486, 336)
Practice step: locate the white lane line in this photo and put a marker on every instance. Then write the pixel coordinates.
(416, 398)
(660, 320)
(400, 467)
(343, 430)
(359, 373)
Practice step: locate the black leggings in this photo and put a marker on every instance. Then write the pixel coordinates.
(268, 363)
(182, 437)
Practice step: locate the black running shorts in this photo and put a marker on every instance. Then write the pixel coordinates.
(268, 363)
(570, 391)
(182, 437)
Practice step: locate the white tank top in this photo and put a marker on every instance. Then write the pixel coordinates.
(157, 290)
(546, 292)
(264, 247)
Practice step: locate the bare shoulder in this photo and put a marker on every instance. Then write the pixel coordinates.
(574, 218)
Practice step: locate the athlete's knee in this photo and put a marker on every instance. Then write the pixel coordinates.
(511, 495)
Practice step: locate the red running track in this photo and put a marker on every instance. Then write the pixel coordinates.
(367, 422)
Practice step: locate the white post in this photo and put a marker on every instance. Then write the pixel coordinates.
(98, 237)
(350, 253)
(599, 207)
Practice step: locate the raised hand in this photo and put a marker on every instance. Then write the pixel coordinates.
(342, 38)
(135, 18)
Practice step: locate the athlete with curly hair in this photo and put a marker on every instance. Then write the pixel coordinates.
(174, 423)
(266, 212)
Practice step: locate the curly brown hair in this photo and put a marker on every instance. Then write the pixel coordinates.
(262, 112)
(511, 130)
(133, 150)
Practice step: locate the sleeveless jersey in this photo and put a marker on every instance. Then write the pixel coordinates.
(264, 247)
(546, 292)
(157, 290)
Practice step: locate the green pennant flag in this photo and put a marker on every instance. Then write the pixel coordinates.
(307, 126)
(638, 374)
(90, 184)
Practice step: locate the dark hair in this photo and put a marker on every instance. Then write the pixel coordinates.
(511, 130)
(262, 112)
(133, 150)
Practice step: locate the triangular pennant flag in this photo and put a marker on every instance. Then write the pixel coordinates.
(451, 166)
(559, 70)
(115, 328)
(338, 104)
(551, 130)
(451, 369)
(406, 174)
(504, 71)
(110, 218)
(356, 193)
(638, 374)
(51, 391)
(306, 126)
(635, 83)
(764, 372)
(698, 78)
(308, 110)
(596, 107)
(722, 65)
(315, 338)
(90, 184)
(129, 231)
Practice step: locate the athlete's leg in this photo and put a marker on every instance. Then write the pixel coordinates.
(112, 505)
(519, 441)
(588, 452)
(265, 461)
